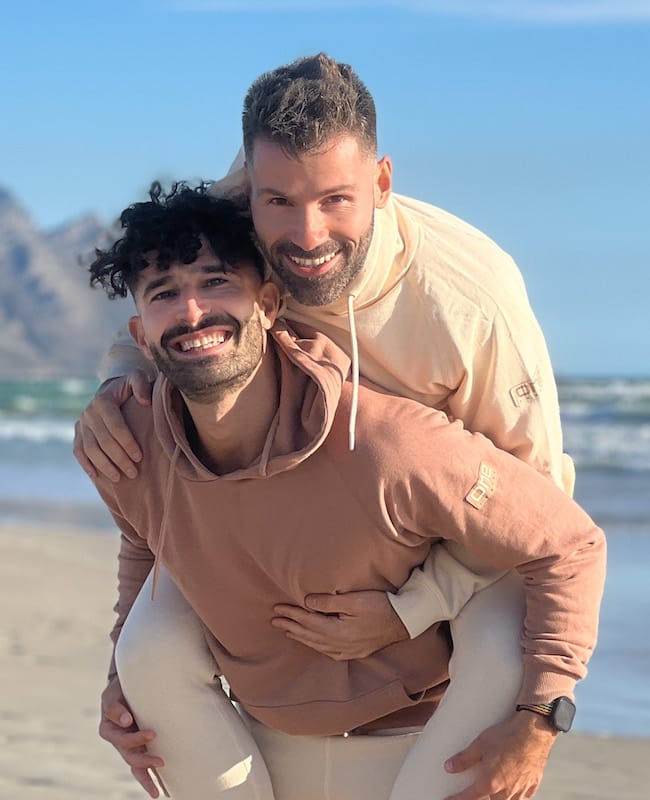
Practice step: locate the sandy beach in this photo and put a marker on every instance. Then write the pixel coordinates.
(56, 594)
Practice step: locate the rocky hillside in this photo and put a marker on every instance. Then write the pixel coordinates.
(52, 323)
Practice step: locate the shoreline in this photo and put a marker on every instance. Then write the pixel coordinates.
(58, 588)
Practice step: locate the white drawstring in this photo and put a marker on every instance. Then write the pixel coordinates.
(355, 373)
(167, 500)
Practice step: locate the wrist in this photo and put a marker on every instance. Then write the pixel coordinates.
(535, 726)
(557, 714)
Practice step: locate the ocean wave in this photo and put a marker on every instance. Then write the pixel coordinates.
(624, 400)
(606, 422)
(52, 398)
(598, 444)
(38, 430)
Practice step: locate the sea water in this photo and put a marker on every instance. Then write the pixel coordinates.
(606, 425)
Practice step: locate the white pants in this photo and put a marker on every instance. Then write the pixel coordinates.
(211, 751)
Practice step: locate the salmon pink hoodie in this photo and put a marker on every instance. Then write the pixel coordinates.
(309, 515)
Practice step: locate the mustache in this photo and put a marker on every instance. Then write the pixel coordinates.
(183, 329)
(325, 249)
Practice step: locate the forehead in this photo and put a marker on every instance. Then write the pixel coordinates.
(342, 156)
(206, 263)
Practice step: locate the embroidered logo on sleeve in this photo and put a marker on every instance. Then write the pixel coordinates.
(484, 487)
(525, 392)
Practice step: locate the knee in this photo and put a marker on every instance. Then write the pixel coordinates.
(157, 652)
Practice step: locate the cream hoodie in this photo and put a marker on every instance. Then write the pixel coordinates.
(442, 317)
(309, 515)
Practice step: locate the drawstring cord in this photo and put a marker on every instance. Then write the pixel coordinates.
(163, 525)
(355, 373)
(266, 452)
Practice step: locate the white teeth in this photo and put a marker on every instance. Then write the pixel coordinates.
(312, 262)
(202, 342)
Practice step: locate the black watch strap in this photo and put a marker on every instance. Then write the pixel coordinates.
(560, 712)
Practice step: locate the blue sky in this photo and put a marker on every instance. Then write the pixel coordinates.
(531, 120)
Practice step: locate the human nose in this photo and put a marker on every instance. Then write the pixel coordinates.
(191, 309)
(310, 229)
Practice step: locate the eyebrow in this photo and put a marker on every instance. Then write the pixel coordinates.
(344, 187)
(206, 269)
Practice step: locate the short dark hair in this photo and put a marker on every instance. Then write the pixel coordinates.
(306, 104)
(172, 225)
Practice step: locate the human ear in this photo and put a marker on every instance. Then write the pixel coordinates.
(383, 181)
(137, 334)
(268, 304)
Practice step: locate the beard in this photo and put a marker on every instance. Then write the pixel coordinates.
(206, 380)
(321, 289)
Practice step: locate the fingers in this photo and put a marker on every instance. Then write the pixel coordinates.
(479, 792)
(145, 780)
(118, 714)
(118, 728)
(141, 387)
(464, 760)
(343, 627)
(309, 619)
(103, 439)
(84, 462)
(332, 603)
(131, 744)
(321, 633)
(304, 626)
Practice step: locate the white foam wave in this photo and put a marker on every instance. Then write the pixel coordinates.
(37, 429)
(608, 446)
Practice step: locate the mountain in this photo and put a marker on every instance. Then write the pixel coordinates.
(52, 323)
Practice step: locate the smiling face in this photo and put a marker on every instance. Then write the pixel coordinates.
(204, 323)
(313, 214)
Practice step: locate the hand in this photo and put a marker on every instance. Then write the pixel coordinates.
(102, 441)
(342, 626)
(510, 758)
(119, 729)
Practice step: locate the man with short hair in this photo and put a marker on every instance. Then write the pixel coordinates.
(249, 491)
(440, 315)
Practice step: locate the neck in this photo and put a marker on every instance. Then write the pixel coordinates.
(230, 433)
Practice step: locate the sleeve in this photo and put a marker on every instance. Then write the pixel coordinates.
(439, 589)
(122, 357)
(509, 394)
(454, 484)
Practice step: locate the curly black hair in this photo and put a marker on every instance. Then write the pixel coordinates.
(171, 226)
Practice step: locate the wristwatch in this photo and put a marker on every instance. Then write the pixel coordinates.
(559, 713)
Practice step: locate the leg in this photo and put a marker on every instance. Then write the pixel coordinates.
(486, 669)
(332, 767)
(168, 678)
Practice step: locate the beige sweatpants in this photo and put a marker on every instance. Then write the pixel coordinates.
(211, 751)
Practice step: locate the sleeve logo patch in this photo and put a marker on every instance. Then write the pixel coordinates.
(525, 392)
(484, 487)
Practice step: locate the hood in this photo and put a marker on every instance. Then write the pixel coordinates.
(312, 372)
(395, 240)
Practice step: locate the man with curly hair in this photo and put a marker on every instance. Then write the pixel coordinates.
(250, 491)
(438, 314)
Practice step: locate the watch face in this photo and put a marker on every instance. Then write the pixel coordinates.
(563, 713)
